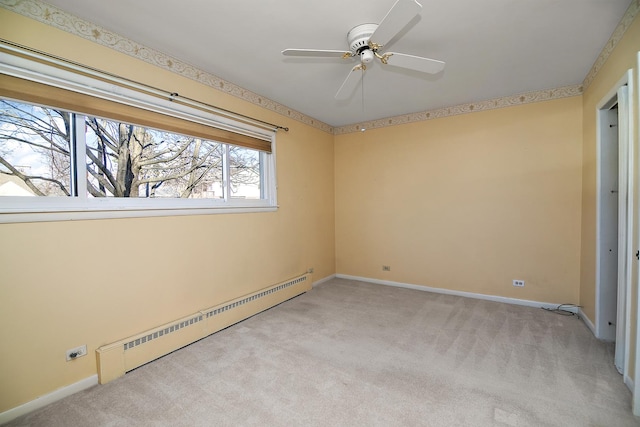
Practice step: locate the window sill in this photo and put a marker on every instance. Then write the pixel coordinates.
(24, 217)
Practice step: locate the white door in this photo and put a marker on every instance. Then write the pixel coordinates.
(625, 170)
(606, 316)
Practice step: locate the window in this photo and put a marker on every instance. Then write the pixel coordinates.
(68, 154)
(35, 151)
(43, 152)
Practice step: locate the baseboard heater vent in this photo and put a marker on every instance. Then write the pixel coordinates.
(119, 357)
(216, 311)
(169, 329)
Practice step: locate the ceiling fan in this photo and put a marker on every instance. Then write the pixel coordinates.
(367, 41)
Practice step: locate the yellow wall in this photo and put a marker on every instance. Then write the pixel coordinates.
(64, 284)
(466, 203)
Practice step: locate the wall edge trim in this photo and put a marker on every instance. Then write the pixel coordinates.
(57, 18)
(587, 321)
(321, 281)
(493, 298)
(609, 47)
(47, 399)
(628, 381)
(475, 107)
(52, 16)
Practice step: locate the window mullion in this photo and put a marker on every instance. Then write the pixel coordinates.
(263, 194)
(226, 172)
(79, 156)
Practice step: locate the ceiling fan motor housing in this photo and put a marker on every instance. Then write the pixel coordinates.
(358, 37)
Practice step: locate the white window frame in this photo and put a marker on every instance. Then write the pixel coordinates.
(35, 209)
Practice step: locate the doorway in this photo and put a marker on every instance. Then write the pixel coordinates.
(613, 256)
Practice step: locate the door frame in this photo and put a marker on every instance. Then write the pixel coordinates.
(634, 384)
(625, 230)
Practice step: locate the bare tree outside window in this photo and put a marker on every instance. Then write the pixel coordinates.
(35, 148)
(122, 160)
(244, 173)
(125, 160)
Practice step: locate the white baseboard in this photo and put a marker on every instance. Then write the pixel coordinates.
(47, 399)
(587, 322)
(515, 301)
(629, 383)
(321, 281)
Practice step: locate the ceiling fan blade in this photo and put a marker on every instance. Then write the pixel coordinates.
(317, 53)
(350, 83)
(411, 62)
(396, 19)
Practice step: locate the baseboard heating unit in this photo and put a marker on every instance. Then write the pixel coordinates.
(119, 357)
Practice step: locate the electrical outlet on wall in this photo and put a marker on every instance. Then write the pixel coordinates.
(518, 283)
(74, 353)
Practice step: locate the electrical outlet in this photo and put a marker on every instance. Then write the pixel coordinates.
(386, 268)
(518, 283)
(74, 353)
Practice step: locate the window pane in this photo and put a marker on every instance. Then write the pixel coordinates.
(244, 169)
(35, 150)
(125, 160)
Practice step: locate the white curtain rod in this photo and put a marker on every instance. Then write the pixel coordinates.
(121, 81)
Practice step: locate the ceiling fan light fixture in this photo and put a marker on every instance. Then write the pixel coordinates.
(368, 41)
(358, 37)
(366, 56)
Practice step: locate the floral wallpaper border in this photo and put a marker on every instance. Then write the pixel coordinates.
(625, 23)
(50, 15)
(491, 104)
(62, 20)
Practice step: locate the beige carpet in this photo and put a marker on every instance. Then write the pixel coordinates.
(356, 354)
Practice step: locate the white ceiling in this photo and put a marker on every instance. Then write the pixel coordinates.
(492, 48)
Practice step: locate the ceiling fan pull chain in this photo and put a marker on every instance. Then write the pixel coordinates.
(362, 90)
